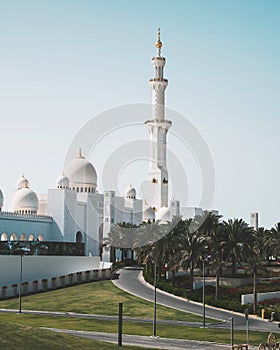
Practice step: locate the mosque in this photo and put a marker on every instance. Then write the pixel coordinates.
(74, 212)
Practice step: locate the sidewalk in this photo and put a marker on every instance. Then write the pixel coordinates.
(147, 342)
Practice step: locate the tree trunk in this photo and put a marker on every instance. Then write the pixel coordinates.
(112, 254)
(233, 268)
(255, 292)
(217, 283)
(192, 268)
(173, 278)
(159, 271)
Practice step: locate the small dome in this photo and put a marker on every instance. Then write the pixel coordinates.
(130, 192)
(62, 181)
(1, 199)
(22, 182)
(81, 172)
(148, 213)
(26, 201)
(163, 214)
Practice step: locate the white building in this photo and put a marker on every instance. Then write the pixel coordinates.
(74, 211)
(254, 220)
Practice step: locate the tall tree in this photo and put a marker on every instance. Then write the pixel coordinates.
(193, 248)
(275, 240)
(121, 236)
(255, 260)
(237, 236)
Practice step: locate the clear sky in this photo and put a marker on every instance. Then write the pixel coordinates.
(64, 62)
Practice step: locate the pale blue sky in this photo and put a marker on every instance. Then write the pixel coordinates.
(63, 62)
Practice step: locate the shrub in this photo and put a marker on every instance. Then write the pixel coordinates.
(229, 297)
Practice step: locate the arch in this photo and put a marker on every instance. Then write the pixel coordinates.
(79, 237)
(22, 237)
(40, 238)
(31, 237)
(13, 237)
(4, 236)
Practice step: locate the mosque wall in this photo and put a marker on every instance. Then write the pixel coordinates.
(49, 268)
(24, 227)
(95, 204)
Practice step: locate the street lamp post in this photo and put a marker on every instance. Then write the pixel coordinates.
(155, 300)
(203, 290)
(20, 284)
(203, 287)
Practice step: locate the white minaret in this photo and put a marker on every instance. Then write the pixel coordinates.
(158, 128)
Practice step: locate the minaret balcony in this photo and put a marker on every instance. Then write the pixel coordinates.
(158, 79)
(158, 58)
(159, 122)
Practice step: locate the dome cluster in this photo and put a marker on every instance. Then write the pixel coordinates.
(148, 213)
(62, 181)
(25, 200)
(163, 215)
(22, 182)
(79, 175)
(130, 192)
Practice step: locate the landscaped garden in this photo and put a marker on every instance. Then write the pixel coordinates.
(229, 296)
(99, 298)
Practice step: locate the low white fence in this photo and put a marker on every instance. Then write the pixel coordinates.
(42, 273)
(249, 298)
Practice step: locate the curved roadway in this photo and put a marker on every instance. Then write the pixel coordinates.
(131, 280)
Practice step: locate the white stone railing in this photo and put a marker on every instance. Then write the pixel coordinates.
(8, 214)
(52, 283)
(249, 298)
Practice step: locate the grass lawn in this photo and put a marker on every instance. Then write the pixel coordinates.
(15, 336)
(101, 298)
(23, 323)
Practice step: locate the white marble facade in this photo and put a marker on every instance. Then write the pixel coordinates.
(74, 211)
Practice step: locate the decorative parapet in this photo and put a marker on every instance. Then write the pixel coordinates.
(32, 217)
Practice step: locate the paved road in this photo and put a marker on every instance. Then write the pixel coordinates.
(131, 280)
(147, 342)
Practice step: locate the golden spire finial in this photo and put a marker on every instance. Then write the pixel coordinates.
(158, 43)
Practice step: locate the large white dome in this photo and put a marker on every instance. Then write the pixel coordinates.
(148, 213)
(22, 182)
(81, 172)
(62, 181)
(130, 192)
(163, 215)
(25, 201)
(1, 199)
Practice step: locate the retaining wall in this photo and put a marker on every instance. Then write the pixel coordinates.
(249, 298)
(42, 273)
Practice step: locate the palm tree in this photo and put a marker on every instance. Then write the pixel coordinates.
(173, 246)
(236, 241)
(209, 226)
(217, 254)
(275, 239)
(255, 260)
(193, 247)
(121, 236)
